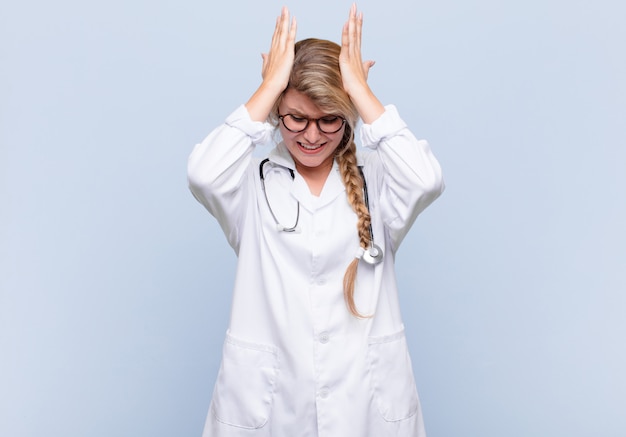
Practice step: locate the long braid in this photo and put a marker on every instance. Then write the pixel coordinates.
(353, 182)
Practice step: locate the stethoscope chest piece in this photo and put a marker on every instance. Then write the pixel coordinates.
(373, 255)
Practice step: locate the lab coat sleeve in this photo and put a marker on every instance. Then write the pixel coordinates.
(218, 166)
(411, 175)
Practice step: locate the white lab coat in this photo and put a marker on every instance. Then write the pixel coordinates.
(295, 362)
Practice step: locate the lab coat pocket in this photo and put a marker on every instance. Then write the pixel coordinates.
(245, 384)
(391, 375)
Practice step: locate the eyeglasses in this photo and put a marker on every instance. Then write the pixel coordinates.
(329, 125)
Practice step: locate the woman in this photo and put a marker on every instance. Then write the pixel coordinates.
(315, 345)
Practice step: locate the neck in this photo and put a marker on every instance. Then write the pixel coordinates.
(315, 177)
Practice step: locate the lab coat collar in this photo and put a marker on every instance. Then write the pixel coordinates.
(281, 156)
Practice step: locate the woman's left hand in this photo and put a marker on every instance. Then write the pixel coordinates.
(354, 70)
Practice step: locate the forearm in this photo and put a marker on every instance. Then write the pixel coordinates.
(366, 103)
(262, 101)
(411, 177)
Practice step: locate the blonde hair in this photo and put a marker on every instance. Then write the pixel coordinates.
(316, 74)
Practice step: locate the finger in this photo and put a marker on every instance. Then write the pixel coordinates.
(284, 21)
(275, 34)
(354, 31)
(351, 23)
(344, 36)
(279, 30)
(358, 29)
(292, 30)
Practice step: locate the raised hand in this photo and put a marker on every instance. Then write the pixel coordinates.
(354, 70)
(277, 64)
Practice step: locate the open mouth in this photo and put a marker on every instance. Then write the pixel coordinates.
(310, 147)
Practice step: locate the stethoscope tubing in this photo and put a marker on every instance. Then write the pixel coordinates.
(278, 225)
(373, 255)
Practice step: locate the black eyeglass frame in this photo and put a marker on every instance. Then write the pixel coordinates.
(309, 120)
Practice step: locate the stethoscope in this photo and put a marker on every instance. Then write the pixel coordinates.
(372, 255)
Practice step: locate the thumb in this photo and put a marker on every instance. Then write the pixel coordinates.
(264, 56)
(366, 67)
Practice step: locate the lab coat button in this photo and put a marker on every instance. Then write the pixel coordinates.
(321, 281)
(324, 337)
(324, 392)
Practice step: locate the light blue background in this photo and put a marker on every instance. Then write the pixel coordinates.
(115, 284)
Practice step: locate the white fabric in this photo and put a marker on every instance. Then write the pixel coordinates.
(295, 362)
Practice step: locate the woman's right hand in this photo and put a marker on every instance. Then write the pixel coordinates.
(278, 62)
(276, 68)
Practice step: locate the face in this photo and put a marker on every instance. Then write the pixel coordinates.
(311, 149)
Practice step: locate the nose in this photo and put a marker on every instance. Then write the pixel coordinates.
(312, 133)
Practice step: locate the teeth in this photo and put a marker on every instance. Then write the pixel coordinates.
(309, 147)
